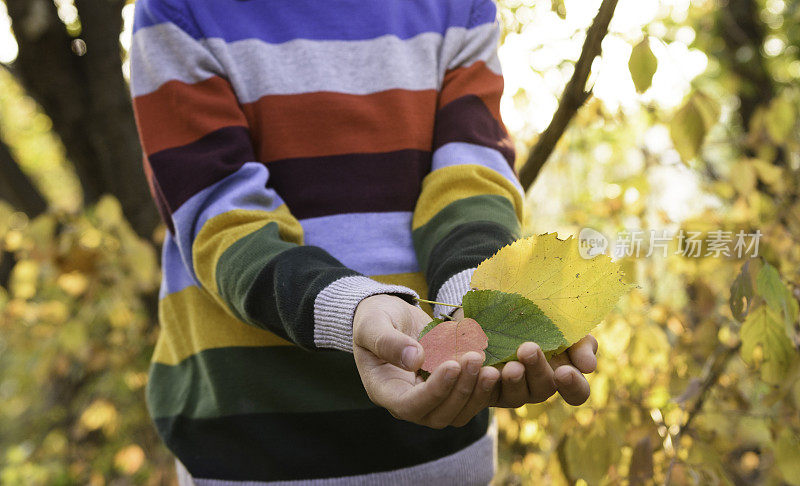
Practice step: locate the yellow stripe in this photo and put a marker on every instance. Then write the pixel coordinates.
(222, 231)
(446, 185)
(192, 321)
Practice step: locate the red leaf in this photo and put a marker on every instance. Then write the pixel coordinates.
(450, 340)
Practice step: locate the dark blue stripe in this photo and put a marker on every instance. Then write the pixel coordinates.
(277, 21)
(303, 446)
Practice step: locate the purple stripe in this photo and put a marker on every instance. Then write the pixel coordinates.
(154, 12)
(369, 243)
(467, 119)
(183, 171)
(175, 275)
(244, 189)
(280, 21)
(353, 183)
(458, 153)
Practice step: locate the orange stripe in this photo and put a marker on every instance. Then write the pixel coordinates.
(324, 123)
(179, 113)
(477, 80)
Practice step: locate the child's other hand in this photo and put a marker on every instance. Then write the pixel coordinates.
(387, 354)
(533, 379)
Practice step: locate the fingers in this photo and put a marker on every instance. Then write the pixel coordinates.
(571, 384)
(514, 387)
(481, 396)
(380, 337)
(422, 398)
(538, 373)
(582, 354)
(443, 415)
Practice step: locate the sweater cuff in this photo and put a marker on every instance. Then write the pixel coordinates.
(336, 304)
(452, 292)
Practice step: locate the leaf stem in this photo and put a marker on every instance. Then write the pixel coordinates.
(434, 302)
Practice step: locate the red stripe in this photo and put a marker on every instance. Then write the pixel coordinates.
(323, 123)
(288, 126)
(476, 79)
(179, 113)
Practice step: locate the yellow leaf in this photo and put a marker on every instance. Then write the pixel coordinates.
(100, 414)
(575, 293)
(787, 450)
(766, 345)
(73, 283)
(129, 459)
(24, 278)
(780, 119)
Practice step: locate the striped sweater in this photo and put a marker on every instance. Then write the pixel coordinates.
(306, 154)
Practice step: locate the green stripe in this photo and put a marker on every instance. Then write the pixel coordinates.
(497, 209)
(246, 380)
(239, 266)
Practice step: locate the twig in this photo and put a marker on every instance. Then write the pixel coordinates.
(712, 370)
(434, 302)
(573, 97)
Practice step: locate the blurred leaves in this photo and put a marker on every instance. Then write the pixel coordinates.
(78, 316)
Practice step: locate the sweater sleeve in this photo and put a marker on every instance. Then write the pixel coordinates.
(471, 202)
(235, 235)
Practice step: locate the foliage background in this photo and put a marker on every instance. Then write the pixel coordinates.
(710, 141)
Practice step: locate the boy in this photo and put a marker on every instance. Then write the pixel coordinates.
(320, 164)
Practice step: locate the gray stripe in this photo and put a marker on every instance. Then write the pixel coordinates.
(336, 304)
(452, 292)
(255, 68)
(473, 465)
(164, 53)
(476, 44)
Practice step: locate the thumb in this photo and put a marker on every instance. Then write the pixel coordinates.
(380, 337)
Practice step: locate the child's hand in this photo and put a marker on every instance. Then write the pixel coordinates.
(387, 355)
(533, 379)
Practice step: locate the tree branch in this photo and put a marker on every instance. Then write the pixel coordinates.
(712, 370)
(573, 97)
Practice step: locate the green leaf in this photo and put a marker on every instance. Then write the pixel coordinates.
(766, 345)
(708, 108)
(642, 65)
(687, 131)
(691, 123)
(742, 293)
(510, 320)
(777, 296)
(559, 8)
(429, 326)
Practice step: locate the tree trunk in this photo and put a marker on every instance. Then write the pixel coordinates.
(20, 192)
(739, 25)
(81, 87)
(16, 188)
